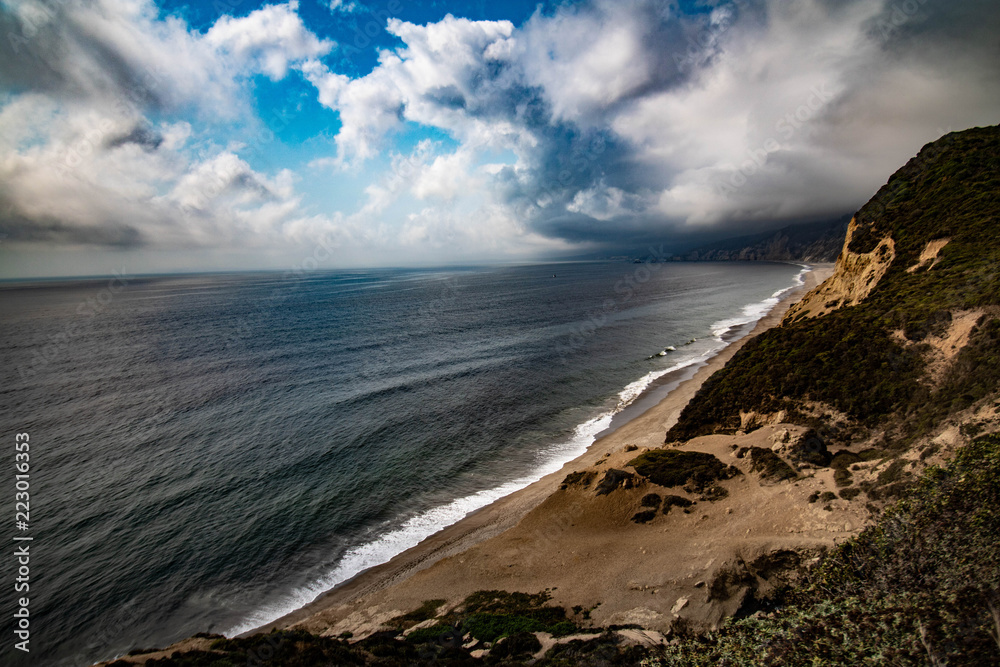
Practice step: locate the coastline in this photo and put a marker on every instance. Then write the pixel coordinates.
(641, 425)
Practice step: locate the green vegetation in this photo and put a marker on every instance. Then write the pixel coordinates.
(770, 465)
(922, 586)
(577, 478)
(850, 493)
(644, 516)
(972, 376)
(671, 467)
(424, 612)
(292, 648)
(842, 359)
(432, 633)
(811, 449)
(491, 615)
(615, 479)
(849, 358)
(651, 500)
(676, 501)
(522, 645)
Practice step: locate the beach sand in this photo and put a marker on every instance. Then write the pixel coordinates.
(586, 549)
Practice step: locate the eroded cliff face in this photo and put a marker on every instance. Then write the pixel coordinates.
(853, 279)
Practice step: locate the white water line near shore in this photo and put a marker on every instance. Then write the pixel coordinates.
(417, 528)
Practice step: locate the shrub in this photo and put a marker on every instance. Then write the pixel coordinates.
(651, 500)
(425, 611)
(770, 465)
(644, 517)
(615, 479)
(671, 467)
(675, 501)
(849, 494)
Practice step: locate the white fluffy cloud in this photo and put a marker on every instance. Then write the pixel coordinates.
(431, 81)
(268, 39)
(83, 164)
(114, 180)
(750, 114)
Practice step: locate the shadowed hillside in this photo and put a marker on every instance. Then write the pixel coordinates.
(815, 242)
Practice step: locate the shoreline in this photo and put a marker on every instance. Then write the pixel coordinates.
(646, 420)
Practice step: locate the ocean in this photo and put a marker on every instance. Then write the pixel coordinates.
(211, 452)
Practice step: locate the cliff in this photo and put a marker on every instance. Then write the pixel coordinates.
(856, 274)
(866, 346)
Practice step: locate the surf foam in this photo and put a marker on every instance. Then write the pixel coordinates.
(753, 312)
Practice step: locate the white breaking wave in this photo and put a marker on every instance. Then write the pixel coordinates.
(754, 311)
(418, 528)
(635, 389)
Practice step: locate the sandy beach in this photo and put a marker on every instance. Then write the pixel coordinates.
(585, 548)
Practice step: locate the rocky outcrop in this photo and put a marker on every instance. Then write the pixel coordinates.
(853, 279)
(929, 255)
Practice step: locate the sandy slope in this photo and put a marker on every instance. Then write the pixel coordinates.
(586, 548)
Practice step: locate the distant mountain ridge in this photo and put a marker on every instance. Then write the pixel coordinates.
(816, 242)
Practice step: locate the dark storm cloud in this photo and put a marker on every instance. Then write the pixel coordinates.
(16, 228)
(631, 121)
(855, 117)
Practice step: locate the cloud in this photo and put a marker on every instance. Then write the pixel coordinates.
(125, 51)
(446, 75)
(344, 7)
(595, 125)
(268, 39)
(107, 180)
(629, 120)
(84, 163)
(110, 51)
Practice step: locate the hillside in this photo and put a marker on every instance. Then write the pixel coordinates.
(738, 540)
(878, 343)
(814, 242)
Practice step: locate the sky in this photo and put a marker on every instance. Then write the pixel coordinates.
(149, 137)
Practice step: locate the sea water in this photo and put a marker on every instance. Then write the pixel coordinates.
(211, 452)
